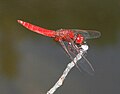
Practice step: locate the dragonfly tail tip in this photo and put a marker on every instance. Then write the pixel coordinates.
(19, 21)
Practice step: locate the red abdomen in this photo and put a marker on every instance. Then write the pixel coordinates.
(37, 29)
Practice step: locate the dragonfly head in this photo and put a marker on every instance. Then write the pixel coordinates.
(79, 39)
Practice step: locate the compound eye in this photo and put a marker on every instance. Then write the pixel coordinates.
(79, 39)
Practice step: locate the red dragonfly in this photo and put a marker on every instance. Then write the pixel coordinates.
(70, 39)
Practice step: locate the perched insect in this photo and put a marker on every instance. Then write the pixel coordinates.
(72, 40)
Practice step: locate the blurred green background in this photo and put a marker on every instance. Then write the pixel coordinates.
(31, 63)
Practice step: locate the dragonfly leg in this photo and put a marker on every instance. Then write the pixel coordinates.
(78, 50)
(75, 47)
(65, 48)
(71, 49)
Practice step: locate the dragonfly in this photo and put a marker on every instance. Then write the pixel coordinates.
(71, 40)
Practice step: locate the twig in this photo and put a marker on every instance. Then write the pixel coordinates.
(66, 71)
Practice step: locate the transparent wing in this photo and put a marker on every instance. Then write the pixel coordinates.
(87, 34)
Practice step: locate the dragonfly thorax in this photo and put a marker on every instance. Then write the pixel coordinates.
(69, 36)
(64, 35)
